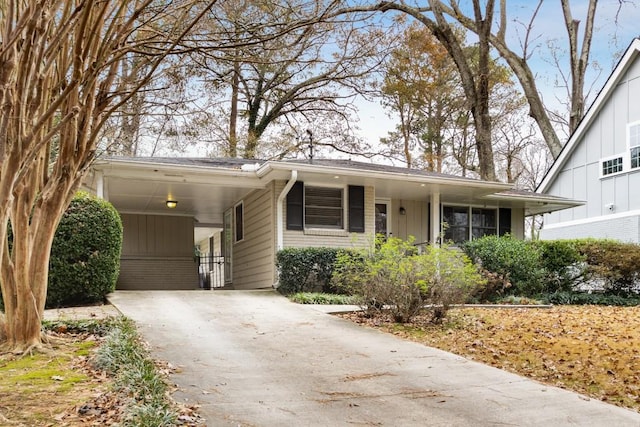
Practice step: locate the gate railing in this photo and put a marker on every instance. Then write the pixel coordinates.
(211, 271)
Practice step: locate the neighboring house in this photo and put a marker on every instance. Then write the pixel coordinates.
(248, 210)
(600, 163)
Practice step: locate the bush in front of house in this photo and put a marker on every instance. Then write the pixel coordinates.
(85, 255)
(563, 264)
(615, 264)
(305, 269)
(396, 279)
(516, 263)
(321, 298)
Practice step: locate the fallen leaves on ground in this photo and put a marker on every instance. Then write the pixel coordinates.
(594, 350)
(62, 388)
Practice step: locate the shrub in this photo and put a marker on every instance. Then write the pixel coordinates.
(305, 269)
(581, 298)
(615, 263)
(122, 355)
(349, 270)
(563, 264)
(395, 278)
(85, 255)
(513, 260)
(320, 298)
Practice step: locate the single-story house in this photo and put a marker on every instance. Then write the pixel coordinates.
(600, 163)
(247, 210)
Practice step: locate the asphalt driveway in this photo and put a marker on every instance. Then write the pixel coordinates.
(252, 358)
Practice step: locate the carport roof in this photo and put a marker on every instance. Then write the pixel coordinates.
(205, 187)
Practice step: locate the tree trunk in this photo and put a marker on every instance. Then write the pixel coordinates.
(481, 112)
(233, 119)
(578, 61)
(25, 269)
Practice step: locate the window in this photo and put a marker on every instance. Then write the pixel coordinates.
(635, 157)
(323, 207)
(611, 166)
(634, 144)
(483, 222)
(463, 223)
(457, 223)
(239, 221)
(311, 206)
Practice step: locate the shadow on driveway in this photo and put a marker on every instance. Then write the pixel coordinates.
(252, 358)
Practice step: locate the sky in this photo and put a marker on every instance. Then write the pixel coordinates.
(613, 32)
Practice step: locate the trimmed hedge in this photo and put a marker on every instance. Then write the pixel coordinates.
(557, 267)
(514, 261)
(614, 263)
(85, 255)
(306, 269)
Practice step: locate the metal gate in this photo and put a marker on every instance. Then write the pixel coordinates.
(211, 271)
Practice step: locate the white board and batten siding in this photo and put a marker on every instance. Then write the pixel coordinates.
(254, 256)
(157, 253)
(612, 208)
(414, 222)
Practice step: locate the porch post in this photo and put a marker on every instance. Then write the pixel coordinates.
(100, 184)
(434, 233)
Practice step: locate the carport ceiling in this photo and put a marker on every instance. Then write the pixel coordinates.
(206, 202)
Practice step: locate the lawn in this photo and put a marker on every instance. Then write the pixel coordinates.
(593, 350)
(63, 385)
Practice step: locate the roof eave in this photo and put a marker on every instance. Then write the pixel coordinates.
(271, 167)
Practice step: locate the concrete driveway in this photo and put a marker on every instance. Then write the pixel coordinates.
(252, 358)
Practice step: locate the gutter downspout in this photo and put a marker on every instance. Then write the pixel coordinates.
(279, 209)
(280, 217)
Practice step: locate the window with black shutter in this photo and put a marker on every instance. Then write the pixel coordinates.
(323, 207)
(356, 209)
(295, 207)
(504, 222)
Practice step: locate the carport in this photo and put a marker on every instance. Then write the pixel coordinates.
(162, 240)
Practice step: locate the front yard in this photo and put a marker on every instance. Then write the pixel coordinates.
(593, 350)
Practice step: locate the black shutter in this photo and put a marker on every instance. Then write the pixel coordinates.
(356, 209)
(504, 223)
(295, 207)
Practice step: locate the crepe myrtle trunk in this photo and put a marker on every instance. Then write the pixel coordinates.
(25, 269)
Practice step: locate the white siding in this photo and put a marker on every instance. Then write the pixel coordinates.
(580, 177)
(414, 223)
(254, 256)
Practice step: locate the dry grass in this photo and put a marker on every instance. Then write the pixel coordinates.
(47, 389)
(593, 350)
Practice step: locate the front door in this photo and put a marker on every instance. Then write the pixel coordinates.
(383, 211)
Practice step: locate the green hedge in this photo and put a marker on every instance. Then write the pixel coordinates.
(85, 256)
(556, 267)
(615, 263)
(514, 261)
(305, 269)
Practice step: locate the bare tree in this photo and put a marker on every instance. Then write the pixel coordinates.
(278, 82)
(438, 15)
(60, 64)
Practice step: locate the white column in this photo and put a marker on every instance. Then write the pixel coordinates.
(434, 233)
(99, 184)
